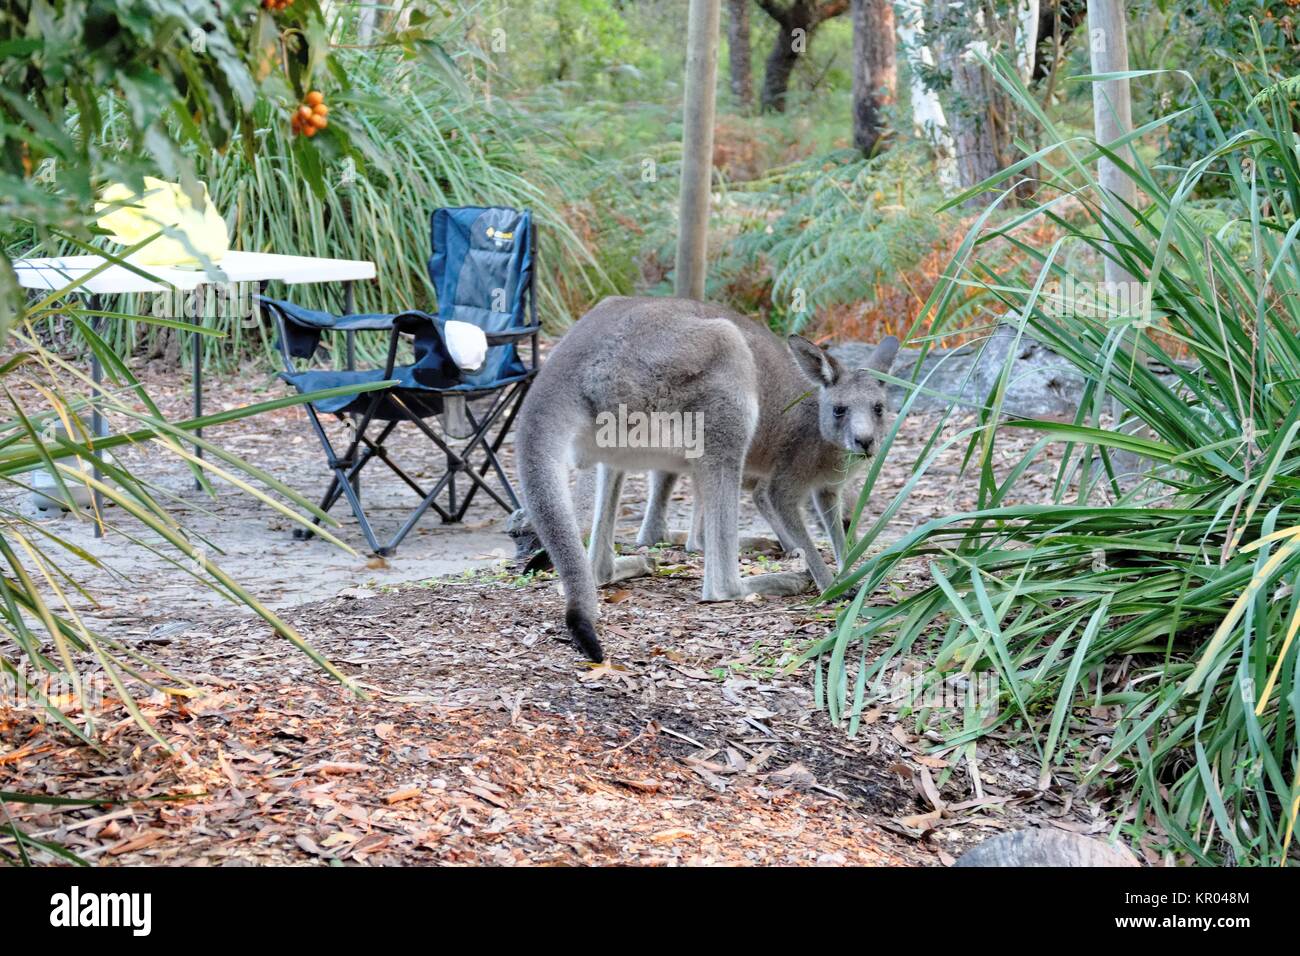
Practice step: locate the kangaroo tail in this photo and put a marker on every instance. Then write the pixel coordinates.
(545, 483)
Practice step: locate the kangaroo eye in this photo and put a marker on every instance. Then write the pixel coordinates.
(879, 409)
(839, 411)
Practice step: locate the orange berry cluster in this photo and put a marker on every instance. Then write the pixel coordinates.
(310, 118)
(274, 5)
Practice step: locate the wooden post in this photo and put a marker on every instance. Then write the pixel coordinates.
(1112, 109)
(697, 148)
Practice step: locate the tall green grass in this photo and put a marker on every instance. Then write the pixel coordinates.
(1172, 605)
(48, 400)
(430, 142)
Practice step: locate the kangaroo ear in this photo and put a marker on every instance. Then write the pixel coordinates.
(882, 359)
(819, 365)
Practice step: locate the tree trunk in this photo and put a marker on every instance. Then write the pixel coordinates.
(928, 118)
(794, 29)
(980, 113)
(697, 148)
(738, 48)
(875, 71)
(979, 132)
(1112, 110)
(1056, 22)
(789, 45)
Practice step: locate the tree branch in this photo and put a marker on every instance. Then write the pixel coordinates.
(775, 11)
(829, 10)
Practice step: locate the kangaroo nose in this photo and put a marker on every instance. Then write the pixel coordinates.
(866, 444)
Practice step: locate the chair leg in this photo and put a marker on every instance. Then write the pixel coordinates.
(457, 460)
(345, 480)
(416, 515)
(362, 449)
(346, 485)
(514, 401)
(326, 503)
(413, 485)
(451, 485)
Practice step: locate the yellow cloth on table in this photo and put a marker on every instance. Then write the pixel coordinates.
(133, 217)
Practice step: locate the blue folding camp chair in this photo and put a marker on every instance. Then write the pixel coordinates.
(482, 269)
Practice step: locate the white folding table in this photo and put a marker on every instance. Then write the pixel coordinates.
(260, 267)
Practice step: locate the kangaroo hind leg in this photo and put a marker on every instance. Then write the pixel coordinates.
(606, 565)
(717, 480)
(654, 527)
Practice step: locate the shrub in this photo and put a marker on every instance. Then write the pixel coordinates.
(1172, 605)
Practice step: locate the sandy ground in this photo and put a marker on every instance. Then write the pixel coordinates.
(482, 737)
(139, 590)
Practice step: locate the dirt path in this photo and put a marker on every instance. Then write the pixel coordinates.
(484, 738)
(139, 592)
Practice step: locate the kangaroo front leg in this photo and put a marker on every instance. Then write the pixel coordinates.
(695, 540)
(764, 506)
(654, 526)
(722, 580)
(786, 507)
(829, 509)
(606, 565)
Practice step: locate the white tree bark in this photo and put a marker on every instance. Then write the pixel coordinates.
(1112, 109)
(1026, 38)
(927, 112)
(367, 20)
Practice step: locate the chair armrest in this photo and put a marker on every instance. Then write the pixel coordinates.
(512, 334)
(327, 321)
(414, 321)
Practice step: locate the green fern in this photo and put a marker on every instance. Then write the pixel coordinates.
(1286, 89)
(833, 228)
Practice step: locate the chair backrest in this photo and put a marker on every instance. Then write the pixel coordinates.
(482, 272)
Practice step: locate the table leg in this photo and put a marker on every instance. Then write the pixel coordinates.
(350, 306)
(196, 372)
(98, 426)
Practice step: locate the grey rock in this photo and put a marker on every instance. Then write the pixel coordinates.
(1042, 383)
(1046, 848)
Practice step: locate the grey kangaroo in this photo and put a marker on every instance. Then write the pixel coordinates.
(784, 416)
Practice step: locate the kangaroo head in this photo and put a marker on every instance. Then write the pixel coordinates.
(851, 402)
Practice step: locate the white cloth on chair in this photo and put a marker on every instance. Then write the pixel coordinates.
(466, 343)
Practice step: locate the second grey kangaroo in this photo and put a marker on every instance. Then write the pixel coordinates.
(783, 416)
